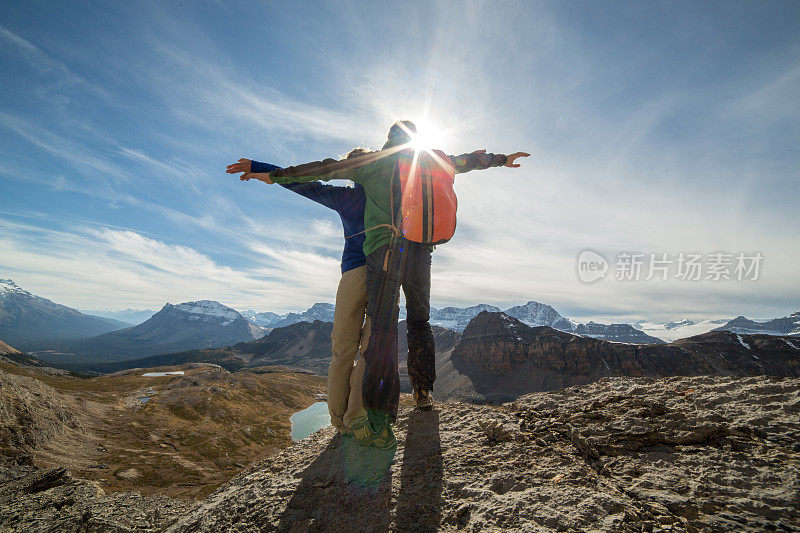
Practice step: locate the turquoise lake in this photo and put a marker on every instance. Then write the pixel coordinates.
(309, 420)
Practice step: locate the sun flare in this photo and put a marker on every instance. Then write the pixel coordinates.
(428, 137)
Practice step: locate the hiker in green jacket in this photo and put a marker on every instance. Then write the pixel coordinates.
(392, 262)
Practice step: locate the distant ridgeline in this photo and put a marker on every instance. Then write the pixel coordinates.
(27, 320)
(505, 358)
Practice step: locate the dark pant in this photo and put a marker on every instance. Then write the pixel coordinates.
(408, 264)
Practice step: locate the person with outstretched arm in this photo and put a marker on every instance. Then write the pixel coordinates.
(392, 261)
(350, 331)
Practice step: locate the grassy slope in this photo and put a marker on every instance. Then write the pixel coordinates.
(195, 432)
(6, 349)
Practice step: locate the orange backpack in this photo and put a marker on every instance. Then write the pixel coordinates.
(424, 203)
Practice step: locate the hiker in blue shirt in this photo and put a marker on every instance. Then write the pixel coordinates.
(383, 292)
(350, 332)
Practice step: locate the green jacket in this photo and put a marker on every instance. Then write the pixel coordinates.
(374, 172)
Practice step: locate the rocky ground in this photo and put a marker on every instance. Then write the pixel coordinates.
(52, 500)
(621, 454)
(33, 416)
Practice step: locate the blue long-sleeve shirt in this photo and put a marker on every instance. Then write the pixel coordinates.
(349, 202)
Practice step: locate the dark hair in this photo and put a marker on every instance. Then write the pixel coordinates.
(355, 152)
(401, 130)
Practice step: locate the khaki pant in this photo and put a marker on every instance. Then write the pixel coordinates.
(348, 341)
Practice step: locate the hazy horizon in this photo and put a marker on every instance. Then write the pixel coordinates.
(577, 318)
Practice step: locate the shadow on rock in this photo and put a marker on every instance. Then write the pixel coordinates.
(347, 488)
(419, 503)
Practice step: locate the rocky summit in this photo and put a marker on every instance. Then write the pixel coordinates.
(621, 454)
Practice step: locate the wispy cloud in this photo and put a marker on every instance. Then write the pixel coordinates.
(64, 149)
(51, 66)
(135, 270)
(166, 170)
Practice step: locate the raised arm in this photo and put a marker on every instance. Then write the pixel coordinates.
(321, 193)
(314, 168)
(278, 176)
(327, 169)
(480, 160)
(245, 167)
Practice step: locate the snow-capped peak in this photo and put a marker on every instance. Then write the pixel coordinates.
(209, 308)
(457, 313)
(539, 314)
(320, 308)
(8, 286)
(534, 312)
(679, 323)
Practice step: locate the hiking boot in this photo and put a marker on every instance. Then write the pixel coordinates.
(423, 399)
(382, 436)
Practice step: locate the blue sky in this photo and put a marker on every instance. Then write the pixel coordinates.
(655, 127)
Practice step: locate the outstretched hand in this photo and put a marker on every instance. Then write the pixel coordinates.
(244, 166)
(511, 157)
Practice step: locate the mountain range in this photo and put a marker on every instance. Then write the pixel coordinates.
(498, 357)
(190, 325)
(171, 330)
(319, 311)
(454, 318)
(503, 358)
(533, 313)
(265, 319)
(52, 331)
(788, 325)
(539, 314)
(27, 320)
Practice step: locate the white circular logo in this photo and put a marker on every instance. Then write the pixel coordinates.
(592, 266)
